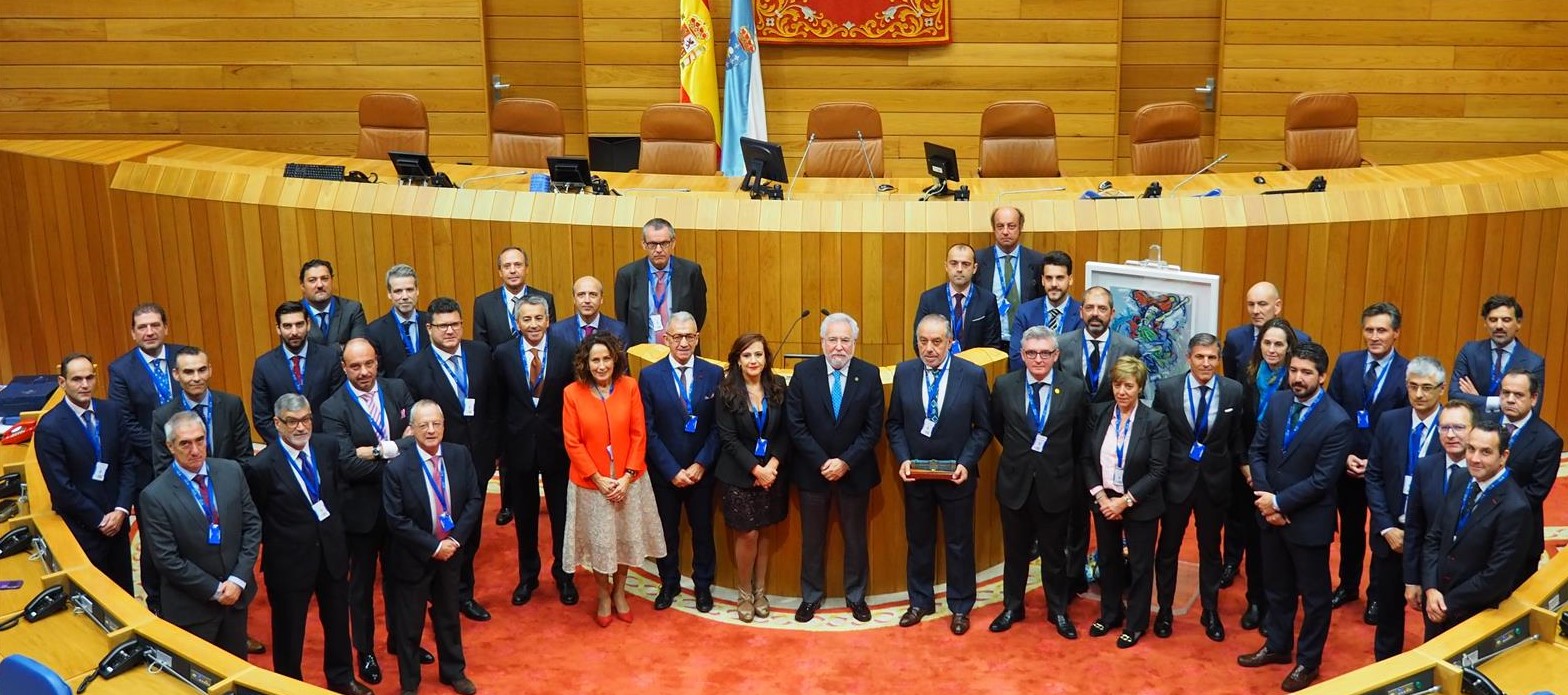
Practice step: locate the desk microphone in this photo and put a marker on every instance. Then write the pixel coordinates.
(802, 164)
(825, 312)
(803, 314)
(870, 173)
(1205, 168)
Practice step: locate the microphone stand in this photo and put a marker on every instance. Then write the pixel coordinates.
(870, 173)
(1205, 168)
(803, 314)
(801, 165)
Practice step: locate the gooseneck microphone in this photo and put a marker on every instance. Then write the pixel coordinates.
(825, 312)
(1205, 168)
(866, 155)
(802, 164)
(803, 314)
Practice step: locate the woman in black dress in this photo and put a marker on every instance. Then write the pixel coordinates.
(753, 444)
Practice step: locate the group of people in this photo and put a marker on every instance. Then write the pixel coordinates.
(380, 440)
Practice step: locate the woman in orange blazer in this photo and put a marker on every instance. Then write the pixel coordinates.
(612, 522)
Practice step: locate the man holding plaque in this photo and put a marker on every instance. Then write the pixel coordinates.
(938, 425)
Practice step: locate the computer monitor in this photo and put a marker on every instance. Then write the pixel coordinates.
(411, 165)
(764, 160)
(942, 162)
(569, 171)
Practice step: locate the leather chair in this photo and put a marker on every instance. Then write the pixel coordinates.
(1018, 139)
(1321, 132)
(392, 122)
(837, 151)
(1165, 139)
(524, 132)
(678, 139)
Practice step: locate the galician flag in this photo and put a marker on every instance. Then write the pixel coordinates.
(745, 112)
(699, 76)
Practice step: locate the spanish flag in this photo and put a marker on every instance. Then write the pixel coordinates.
(699, 77)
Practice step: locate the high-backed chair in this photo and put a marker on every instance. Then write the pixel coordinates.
(392, 122)
(1165, 139)
(1018, 139)
(524, 132)
(841, 127)
(678, 139)
(1321, 132)
(22, 675)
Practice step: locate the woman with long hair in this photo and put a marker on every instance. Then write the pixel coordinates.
(753, 444)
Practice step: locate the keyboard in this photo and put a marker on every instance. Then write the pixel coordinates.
(325, 172)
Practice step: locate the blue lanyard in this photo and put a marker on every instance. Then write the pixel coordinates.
(402, 332)
(657, 300)
(1497, 376)
(1467, 507)
(380, 426)
(1367, 398)
(759, 416)
(958, 328)
(1200, 420)
(288, 363)
(544, 357)
(1006, 283)
(1290, 432)
(680, 387)
(206, 417)
(461, 378)
(1121, 437)
(1267, 383)
(439, 485)
(1038, 411)
(1093, 381)
(306, 473)
(324, 315)
(934, 388)
(1419, 450)
(94, 435)
(159, 383)
(210, 510)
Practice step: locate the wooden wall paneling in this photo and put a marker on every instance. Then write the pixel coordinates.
(1167, 48)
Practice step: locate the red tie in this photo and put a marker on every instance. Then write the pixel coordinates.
(437, 495)
(660, 287)
(206, 496)
(958, 312)
(299, 377)
(587, 332)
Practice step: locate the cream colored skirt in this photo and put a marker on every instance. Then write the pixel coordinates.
(602, 536)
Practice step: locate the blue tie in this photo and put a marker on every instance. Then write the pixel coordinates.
(1415, 446)
(838, 393)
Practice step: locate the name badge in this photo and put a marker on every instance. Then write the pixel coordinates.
(214, 534)
(761, 449)
(1196, 453)
(691, 423)
(446, 521)
(1039, 443)
(1407, 486)
(656, 322)
(320, 508)
(927, 428)
(100, 471)
(1117, 476)
(1363, 420)
(468, 407)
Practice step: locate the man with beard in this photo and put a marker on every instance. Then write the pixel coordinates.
(296, 366)
(1055, 309)
(1481, 364)
(333, 319)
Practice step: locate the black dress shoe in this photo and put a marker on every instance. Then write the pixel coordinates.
(568, 592)
(960, 624)
(1101, 628)
(860, 611)
(1251, 619)
(1128, 639)
(503, 517)
(704, 600)
(1300, 677)
(1341, 597)
(353, 688)
(807, 611)
(1262, 657)
(1372, 613)
(462, 686)
(1162, 624)
(1228, 575)
(1213, 627)
(1005, 620)
(425, 657)
(665, 599)
(912, 617)
(1065, 627)
(254, 646)
(369, 669)
(524, 592)
(473, 611)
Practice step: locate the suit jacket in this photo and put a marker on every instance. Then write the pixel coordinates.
(982, 322)
(344, 419)
(297, 543)
(1072, 360)
(1386, 464)
(818, 436)
(689, 293)
(569, 332)
(738, 440)
(1305, 477)
(229, 438)
(67, 460)
(1475, 568)
(1143, 462)
(272, 376)
(1029, 263)
(1425, 508)
(1034, 313)
(426, 378)
(963, 424)
(533, 432)
(1347, 387)
(1476, 359)
(130, 385)
(410, 521)
(1533, 457)
(1056, 472)
(174, 530)
(492, 324)
(1237, 351)
(1224, 447)
(346, 322)
(387, 335)
(670, 447)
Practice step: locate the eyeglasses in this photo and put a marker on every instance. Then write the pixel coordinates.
(658, 245)
(292, 422)
(443, 327)
(681, 337)
(835, 340)
(1452, 429)
(1038, 354)
(1423, 388)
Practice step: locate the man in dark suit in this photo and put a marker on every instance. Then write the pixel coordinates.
(228, 427)
(1435, 476)
(199, 523)
(434, 503)
(1296, 458)
(140, 381)
(970, 308)
(1481, 364)
(333, 319)
(298, 365)
(587, 295)
(1475, 549)
(534, 371)
(1055, 308)
(494, 310)
(940, 410)
(1007, 268)
(1402, 438)
(296, 486)
(1039, 417)
(1207, 421)
(1366, 384)
(458, 375)
(368, 418)
(648, 291)
(678, 398)
(1534, 454)
(835, 407)
(84, 452)
(401, 332)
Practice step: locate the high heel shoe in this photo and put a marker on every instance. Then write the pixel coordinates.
(759, 602)
(602, 620)
(744, 606)
(624, 616)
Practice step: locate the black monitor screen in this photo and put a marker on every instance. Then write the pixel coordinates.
(411, 164)
(764, 159)
(566, 170)
(942, 162)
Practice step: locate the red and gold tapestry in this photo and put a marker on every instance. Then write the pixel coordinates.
(854, 22)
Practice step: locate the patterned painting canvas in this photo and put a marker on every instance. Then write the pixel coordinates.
(1161, 322)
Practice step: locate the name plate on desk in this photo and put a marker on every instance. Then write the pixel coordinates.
(932, 469)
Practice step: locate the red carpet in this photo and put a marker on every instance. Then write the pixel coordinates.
(547, 647)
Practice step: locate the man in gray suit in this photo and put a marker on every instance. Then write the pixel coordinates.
(198, 521)
(333, 319)
(648, 291)
(228, 427)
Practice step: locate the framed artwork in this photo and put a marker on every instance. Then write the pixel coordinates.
(1161, 308)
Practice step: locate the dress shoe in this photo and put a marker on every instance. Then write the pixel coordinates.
(1341, 597)
(524, 592)
(623, 616)
(425, 657)
(1128, 639)
(1228, 575)
(1101, 628)
(959, 624)
(473, 611)
(860, 611)
(807, 611)
(665, 599)
(1004, 621)
(759, 602)
(1213, 627)
(353, 688)
(603, 620)
(254, 646)
(1065, 627)
(913, 616)
(369, 669)
(1372, 613)
(1162, 624)
(704, 600)
(1251, 619)
(1300, 677)
(463, 686)
(567, 591)
(503, 517)
(1262, 657)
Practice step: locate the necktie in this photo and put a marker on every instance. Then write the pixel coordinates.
(1094, 366)
(321, 319)
(1012, 290)
(1454, 471)
(1510, 428)
(92, 432)
(958, 312)
(437, 498)
(660, 288)
(1415, 444)
(1201, 427)
(311, 476)
(201, 411)
(1370, 381)
(837, 392)
(206, 496)
(413, 338)
(1037, 386)
(163, 388)
(511, 313)
(685, 389)
(587, 332)
(536, 370)
(932, 377)
(299, 376)
(373, 408)
(457, 376)
(1501, 355)
(1055, 322)
(1295, 414)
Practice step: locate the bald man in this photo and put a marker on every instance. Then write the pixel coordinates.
(587, 297)
(1010, 270)
(1263, 303)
